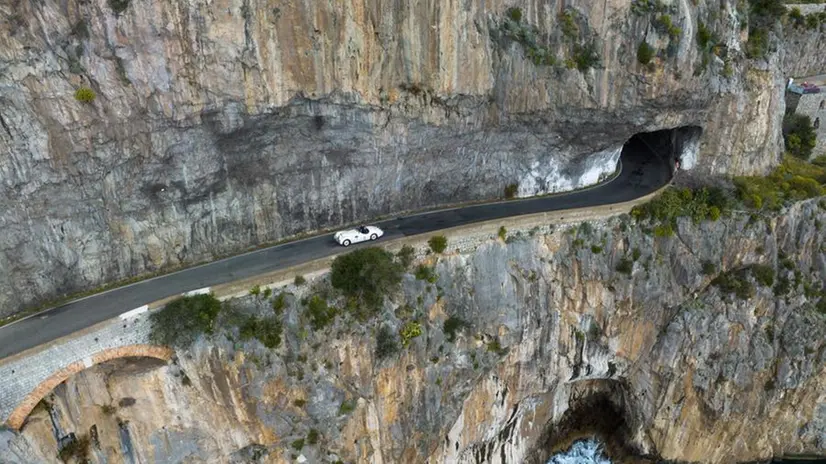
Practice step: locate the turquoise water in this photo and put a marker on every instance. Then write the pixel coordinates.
(581, 452)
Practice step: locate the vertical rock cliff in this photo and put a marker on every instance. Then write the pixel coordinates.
(707, 346)
(202, 128)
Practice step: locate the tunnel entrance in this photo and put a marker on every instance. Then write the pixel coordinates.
(602, 409)
(679, 144)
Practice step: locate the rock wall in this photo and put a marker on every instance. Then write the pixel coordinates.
(559, 332)
(803, 46)
(221, 125)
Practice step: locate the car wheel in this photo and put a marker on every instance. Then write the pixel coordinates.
(346, 243)
(373, 237)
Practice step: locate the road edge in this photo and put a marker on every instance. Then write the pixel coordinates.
(279, 278)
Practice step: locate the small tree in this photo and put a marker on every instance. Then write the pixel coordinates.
(645, 53)
(452, 325)
(515, 14)
(799, 134)
(510, 191)
(183, 320)
(405, 256)
(437, 243)
(85, 95)
(386, 344)
(367, 274)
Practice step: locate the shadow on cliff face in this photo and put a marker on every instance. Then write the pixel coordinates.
(597, 408)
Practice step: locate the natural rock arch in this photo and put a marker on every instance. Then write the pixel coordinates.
(22, 411)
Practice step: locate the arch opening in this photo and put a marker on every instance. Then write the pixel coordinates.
(601, 409)
(18, 416)
(678, 146)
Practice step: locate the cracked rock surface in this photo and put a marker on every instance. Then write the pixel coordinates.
(222, 125)
(555, 334)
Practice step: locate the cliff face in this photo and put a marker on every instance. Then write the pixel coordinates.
(803, 44)
(220, 125)
(557, 340)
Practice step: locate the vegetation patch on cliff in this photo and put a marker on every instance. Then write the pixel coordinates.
(580, 47)
(799, 135)
(764, 16)
(707, 203)
(793, 180)
(183, 320)
(367, 275)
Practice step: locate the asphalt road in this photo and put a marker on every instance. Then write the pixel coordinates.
(642, 173)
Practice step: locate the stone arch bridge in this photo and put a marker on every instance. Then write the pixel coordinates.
(29, 376)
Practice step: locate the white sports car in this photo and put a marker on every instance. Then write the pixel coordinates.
(359, 234)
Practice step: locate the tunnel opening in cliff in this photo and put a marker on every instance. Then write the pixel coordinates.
(601, 409)
(679, 144)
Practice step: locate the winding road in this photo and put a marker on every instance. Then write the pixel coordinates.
(642, 172)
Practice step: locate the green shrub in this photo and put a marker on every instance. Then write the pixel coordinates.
(437, 243)
(709, 268)
(495, 347)
(645, 53)
(821, 306)
(511, 191)
(664, 230)
(567, 23)
(406, 256)
(527, 36)
(312, 437)
(586, 56)
(625, 266)
(320, 314)
(255, 290)
(266, 330)
(347, 406)
(735, 282)
(299, 280)
(453, 325)
(386, 344)
(763, 18)
(796, 17)
(299, 402)
(298, 445)
(85, 95)
(108, 409)
(279, 303)
(635, 254)
(596, 249)
(503, 233)
(793, 180)
(367, 274)
(813, 21)
(514, 13)
(118, 6)
(782, 287)
(409, 331)
(183, 320)
(699, 204)
(705, 38)
(799, 135)
(426, 273)
(763, 274)
(77, 449)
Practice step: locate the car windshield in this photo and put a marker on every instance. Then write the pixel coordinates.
(363, 229)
